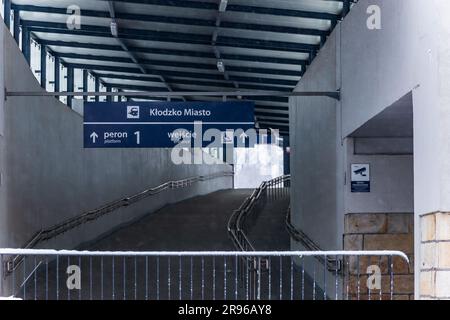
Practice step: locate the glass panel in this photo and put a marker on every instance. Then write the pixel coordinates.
(50, 73)
(102, 89)
(36, 59)
(78, 80)
(91, 86)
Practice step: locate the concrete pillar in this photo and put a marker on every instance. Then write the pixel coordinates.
(432, 163)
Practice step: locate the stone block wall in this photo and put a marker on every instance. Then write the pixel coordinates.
(435, 256)
(381, 231)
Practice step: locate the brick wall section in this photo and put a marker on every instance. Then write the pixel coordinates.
(390, 231)
(435, 256)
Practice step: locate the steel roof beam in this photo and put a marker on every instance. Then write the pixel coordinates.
(273, 108)
(153, 98)
(167, 63)
(283, 12)
(173, 37)
(284, 120)
(267, 125)
(170, 52)
(159, 89)
(116, 34)
(178, 20)
(238, 8)
(222, 68)
(194, 82)
(272, 115)
(180, 74)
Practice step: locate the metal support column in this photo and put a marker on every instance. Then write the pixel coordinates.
(108, 98)
(85, 83)
(26, 43)
(7, 13)
(70, 84)
(346, 8)
(43, 66)
(17, 26)
(57, 74)
(286, 156)
(97, 88)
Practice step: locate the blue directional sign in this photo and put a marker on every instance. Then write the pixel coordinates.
(164, 124)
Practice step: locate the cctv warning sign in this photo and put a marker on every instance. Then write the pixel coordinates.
(360, 178)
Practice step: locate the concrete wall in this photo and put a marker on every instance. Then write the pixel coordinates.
(380, 66)
(374, 69)
(315, 162)
(392, 182)
(409, 54)
(322, 153)
(48, 176)
(3, 218)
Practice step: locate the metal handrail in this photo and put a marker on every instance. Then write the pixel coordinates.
(89, 216)
(309, 244)
(346, 253)
(236, 223)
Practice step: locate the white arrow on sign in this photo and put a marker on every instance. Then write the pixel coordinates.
(94, 137)
(243, 136)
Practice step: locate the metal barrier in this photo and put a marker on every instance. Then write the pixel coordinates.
(83, 275)
(92, 215)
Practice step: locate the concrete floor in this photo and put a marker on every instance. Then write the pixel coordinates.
(199, 224)
(195, 224)
(267, 230)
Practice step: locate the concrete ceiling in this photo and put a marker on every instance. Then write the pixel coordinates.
(395, 121)
(263, 44)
